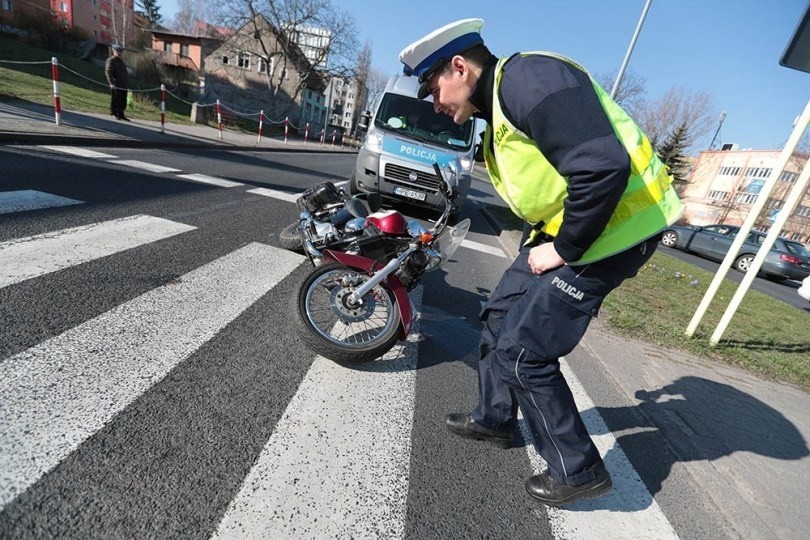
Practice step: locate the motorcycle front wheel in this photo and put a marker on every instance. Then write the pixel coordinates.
(290, 237)
(339, 329)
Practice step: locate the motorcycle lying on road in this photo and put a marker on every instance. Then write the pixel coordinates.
(354, 306)
(328, 219)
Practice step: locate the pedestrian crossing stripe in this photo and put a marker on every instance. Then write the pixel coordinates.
(275, 194)
(26, 258)
(59, 393)
(344, 442)
(81, 152)
(213, 180)
(30, 199)
(151, 167)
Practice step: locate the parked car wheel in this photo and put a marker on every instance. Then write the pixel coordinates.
(670, 239)
(743, 264)
(353, 189)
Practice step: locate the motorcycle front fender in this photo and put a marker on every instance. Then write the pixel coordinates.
(393, 284)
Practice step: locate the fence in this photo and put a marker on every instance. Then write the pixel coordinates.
(220, 109)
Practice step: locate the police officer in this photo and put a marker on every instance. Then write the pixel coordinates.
(578, 170)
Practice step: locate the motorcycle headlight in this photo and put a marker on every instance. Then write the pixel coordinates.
(374, 140)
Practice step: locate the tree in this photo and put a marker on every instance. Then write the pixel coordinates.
(672, 153)
(631, 90)
(150, 10)
(285, 30)
(188, 12)
(678, 106)
(375, 85)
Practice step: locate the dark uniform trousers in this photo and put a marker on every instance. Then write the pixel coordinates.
(530, 321)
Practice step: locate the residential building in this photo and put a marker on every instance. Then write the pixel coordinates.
(725, 184)
(8, 8)
(250, 72)
(108, 21)
(185, 51)
(341, 102)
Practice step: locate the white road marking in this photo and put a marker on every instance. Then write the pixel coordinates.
(81, 152)
(337, 463)
(628, 510)
(213, 180)
(33, 256)
(469, 244)
(59, 393)
(283, 195)
(29, 199)
(151, 167)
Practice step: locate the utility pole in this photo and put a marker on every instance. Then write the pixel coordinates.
(722, 117)
(630, 50)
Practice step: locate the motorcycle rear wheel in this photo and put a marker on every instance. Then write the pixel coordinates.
(290, 237)
(337, 329)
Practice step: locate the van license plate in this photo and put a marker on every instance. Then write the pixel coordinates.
(410, 193)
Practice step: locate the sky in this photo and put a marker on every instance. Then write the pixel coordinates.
(727, 48)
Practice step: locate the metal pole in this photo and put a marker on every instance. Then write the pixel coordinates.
(745, 228)
(630, 50)
(776, 228)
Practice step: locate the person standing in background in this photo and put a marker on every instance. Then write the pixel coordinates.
(116, 71)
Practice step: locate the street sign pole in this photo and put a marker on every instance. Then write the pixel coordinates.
(745, 228)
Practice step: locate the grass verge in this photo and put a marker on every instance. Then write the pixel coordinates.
(766, 336)
(83, 87)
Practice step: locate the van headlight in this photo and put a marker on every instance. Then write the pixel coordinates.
(374, 140)
(467, 164)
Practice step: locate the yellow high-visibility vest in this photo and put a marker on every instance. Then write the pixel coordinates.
(535, 191)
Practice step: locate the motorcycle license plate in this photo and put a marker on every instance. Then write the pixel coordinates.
(410, 193)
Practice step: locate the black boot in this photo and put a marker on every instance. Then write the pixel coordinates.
(546, 490)
(464, 426)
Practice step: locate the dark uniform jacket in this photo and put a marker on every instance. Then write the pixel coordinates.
(116, 72)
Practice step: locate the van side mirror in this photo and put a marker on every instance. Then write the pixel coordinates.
(478, 156)
(364, 120)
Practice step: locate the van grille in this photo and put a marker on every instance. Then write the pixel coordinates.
(399, 175)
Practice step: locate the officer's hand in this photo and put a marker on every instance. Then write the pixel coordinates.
(544, 257)
(112, 87)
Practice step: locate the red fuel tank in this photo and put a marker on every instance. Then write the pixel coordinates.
(389, 222)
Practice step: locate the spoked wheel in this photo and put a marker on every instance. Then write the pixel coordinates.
(342, 330)
(743, 264)
(290, 237)
(670, 239)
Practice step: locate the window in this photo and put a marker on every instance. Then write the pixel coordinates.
(167, 46)
(745, 198)
(63, 6)
(803, 211)
(184, 49)
(7, 5)
(265, 66)
(243, 60)
(788, 177)
(225, 59)
(774, 203)
(718, 195)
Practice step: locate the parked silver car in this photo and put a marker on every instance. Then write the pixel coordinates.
(786, 260)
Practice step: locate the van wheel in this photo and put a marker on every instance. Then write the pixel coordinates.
(353, 185)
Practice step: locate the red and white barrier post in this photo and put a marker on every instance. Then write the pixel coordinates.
(286, 128)
(306, 134)
(323, 134)
(261, 122)
(343, 140)
(57, 105)
(333, 138)
(162, 107)
(219, 120)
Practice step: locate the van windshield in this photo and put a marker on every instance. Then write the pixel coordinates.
(417, 119)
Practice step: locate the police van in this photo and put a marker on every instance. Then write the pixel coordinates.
(404, 138)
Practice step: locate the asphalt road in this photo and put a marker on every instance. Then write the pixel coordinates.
(157, 389)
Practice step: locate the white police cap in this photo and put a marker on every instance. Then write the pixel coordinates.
(424, 56)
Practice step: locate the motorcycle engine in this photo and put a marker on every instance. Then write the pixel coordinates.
(413, 269)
